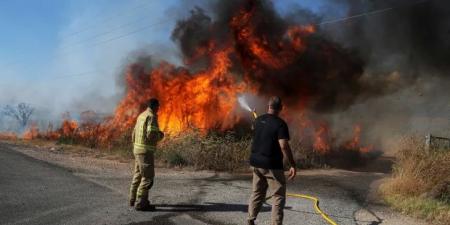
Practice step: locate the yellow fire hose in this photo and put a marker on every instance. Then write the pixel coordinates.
(314, 199)
(316, 206)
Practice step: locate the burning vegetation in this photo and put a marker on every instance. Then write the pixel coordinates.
(244, 47)
(248, 49)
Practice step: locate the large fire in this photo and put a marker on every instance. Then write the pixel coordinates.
(207, 99)
(250, 57)
(203, 100)
(238, 62)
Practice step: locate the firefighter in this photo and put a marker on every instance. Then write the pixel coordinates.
(270, 145)
(145, 136)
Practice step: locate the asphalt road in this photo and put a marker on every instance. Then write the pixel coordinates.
(34, 191)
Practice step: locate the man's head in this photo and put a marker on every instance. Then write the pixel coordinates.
(275, 105)
(153, 104)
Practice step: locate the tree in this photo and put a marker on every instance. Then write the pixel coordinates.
(22, 113)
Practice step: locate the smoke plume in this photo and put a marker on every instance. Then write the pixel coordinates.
(342, 63)
(379, 68)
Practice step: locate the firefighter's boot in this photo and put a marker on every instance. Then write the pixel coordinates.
(131, 203)
(144, 205)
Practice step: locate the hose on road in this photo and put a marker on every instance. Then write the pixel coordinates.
(316, 206)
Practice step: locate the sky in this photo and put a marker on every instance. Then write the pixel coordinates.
(56, 54)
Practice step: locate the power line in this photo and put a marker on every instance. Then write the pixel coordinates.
(121, 36)
(104, 33)
(132, 32)
(140, 6)
(356, 16)
(370, 13)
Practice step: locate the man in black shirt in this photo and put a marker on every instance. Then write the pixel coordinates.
(270, 145)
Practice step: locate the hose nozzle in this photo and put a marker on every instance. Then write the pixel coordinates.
(254, 114)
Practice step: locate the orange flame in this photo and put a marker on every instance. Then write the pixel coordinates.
(68, 128)
(203, 100)
(32, 132)
(277, 56)
(8, 136)
(354, 143)
(321, 141)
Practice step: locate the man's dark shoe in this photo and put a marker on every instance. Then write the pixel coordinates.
(146, 208)
(250, 222)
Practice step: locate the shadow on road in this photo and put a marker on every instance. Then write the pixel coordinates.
(206, 207)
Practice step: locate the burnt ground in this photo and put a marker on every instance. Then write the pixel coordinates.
(42, 186)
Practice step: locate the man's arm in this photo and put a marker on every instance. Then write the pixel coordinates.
(153, 132)
(287, 153)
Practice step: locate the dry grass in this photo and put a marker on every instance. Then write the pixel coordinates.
(337, 157)
(417, 173)
(230, 152)
(214, 151)
(221, 151)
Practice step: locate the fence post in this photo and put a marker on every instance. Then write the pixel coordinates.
(428, 142)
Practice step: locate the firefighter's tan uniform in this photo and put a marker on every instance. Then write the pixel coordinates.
(145, 136)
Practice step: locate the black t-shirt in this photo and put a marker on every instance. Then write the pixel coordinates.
(266, 151)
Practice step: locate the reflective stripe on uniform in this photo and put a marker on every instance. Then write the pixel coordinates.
(137, 145)
(143, 149)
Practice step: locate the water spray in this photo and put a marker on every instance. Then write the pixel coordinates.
(244, 104)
